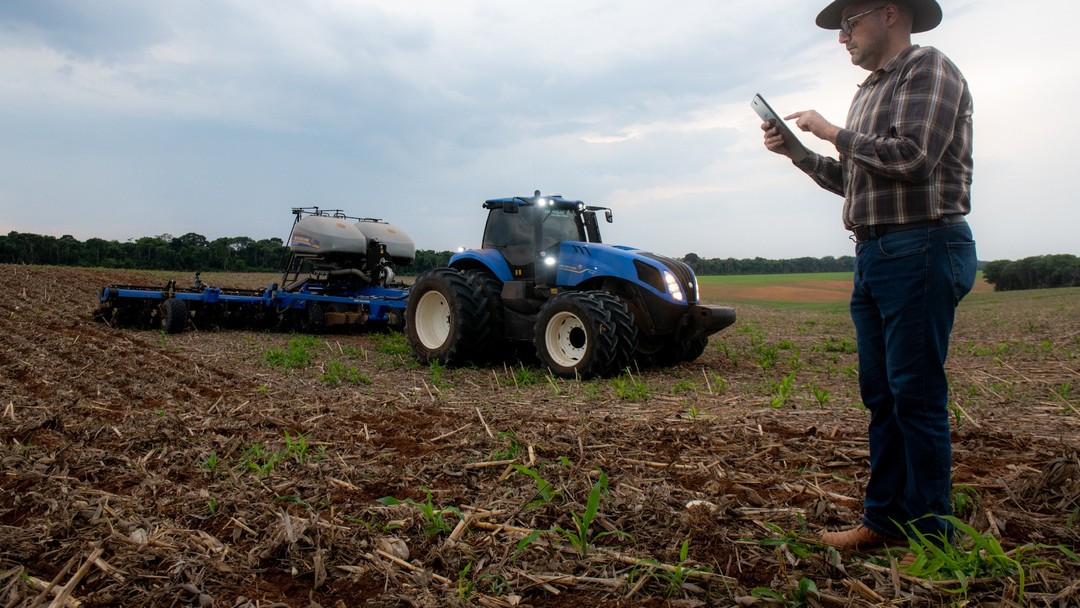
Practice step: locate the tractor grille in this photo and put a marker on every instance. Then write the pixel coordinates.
(682, 272)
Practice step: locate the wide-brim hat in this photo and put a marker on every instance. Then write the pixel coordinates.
(927, 14)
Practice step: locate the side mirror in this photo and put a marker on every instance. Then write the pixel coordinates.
(608, 216)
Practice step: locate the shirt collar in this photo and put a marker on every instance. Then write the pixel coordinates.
(877, 75)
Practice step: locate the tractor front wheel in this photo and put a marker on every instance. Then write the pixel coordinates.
(446, 317)
(574, 336)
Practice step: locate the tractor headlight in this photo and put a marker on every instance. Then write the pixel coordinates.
(549, 261)
(673, 286)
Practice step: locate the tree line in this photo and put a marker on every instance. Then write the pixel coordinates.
(1039, 272)
(732, 266)
(193, 252)
(163, 252)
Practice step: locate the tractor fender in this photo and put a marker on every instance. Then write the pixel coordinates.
(490, 259)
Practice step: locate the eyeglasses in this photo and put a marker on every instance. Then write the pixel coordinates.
(846, 25)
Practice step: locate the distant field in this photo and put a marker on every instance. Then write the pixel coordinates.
(813, 290)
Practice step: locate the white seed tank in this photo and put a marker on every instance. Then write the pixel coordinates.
(327, 236)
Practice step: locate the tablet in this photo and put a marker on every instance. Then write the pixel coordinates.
(767, 114)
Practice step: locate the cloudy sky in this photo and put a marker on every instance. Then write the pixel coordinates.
(126, 118)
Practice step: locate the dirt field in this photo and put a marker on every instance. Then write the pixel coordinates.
(237, 468)
(817, 290)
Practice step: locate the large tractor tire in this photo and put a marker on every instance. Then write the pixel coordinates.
(575, 336)
(670, 351)
(496, 347)
(174, 316)
(626, 331)
(692, 349)
(446, 318)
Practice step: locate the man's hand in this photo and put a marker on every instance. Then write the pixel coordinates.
(815, 123)
(774, 139)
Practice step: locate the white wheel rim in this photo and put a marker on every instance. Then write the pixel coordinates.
(432, 320)
(566, 339)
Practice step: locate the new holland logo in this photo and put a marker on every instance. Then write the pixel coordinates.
(302, 241)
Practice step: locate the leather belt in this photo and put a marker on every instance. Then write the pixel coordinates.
(862, 234)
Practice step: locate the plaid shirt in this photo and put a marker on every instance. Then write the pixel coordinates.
(905, 155)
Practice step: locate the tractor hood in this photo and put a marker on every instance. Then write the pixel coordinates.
(668, 278)
(573, 263)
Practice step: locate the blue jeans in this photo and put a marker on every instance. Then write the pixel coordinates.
(907, 286)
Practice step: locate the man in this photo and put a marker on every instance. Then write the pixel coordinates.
(904, 170)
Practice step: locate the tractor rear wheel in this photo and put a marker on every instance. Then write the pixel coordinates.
(574, 335)
(496, 346)
(446, 317)
(174, 316)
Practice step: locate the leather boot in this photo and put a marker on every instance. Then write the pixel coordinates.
(859, 538)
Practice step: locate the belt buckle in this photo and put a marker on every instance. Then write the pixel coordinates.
(862, 233)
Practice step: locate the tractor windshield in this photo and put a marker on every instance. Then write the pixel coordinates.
(519, 229)
(560, 225)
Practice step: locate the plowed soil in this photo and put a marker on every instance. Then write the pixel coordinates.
(198, 469)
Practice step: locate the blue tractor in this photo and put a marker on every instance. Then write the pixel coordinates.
(544, 278)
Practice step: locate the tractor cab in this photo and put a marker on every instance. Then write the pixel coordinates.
(527, 230)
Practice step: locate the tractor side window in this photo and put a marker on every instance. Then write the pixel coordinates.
(512, 234)
(592, 228)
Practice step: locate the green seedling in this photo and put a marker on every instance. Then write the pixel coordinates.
(965, 500)
(629, 388)
(297, 354)
(513, 449)
(728, 352)
(464, 584)
(581, 536)
(800, 596)
(820, 395)
(337, 373)
(943, 561)
(787, 540)
(684, 386)
(783, 390)
(392, 343)
(438, 372)
(766, 356)
(262, 461)
(675, 579)
(525, 376)
(719, 384)
(296, 447)
(434, 520)
(210, 463)
(544, 492)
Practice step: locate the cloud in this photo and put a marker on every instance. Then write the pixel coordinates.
(124, 119)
